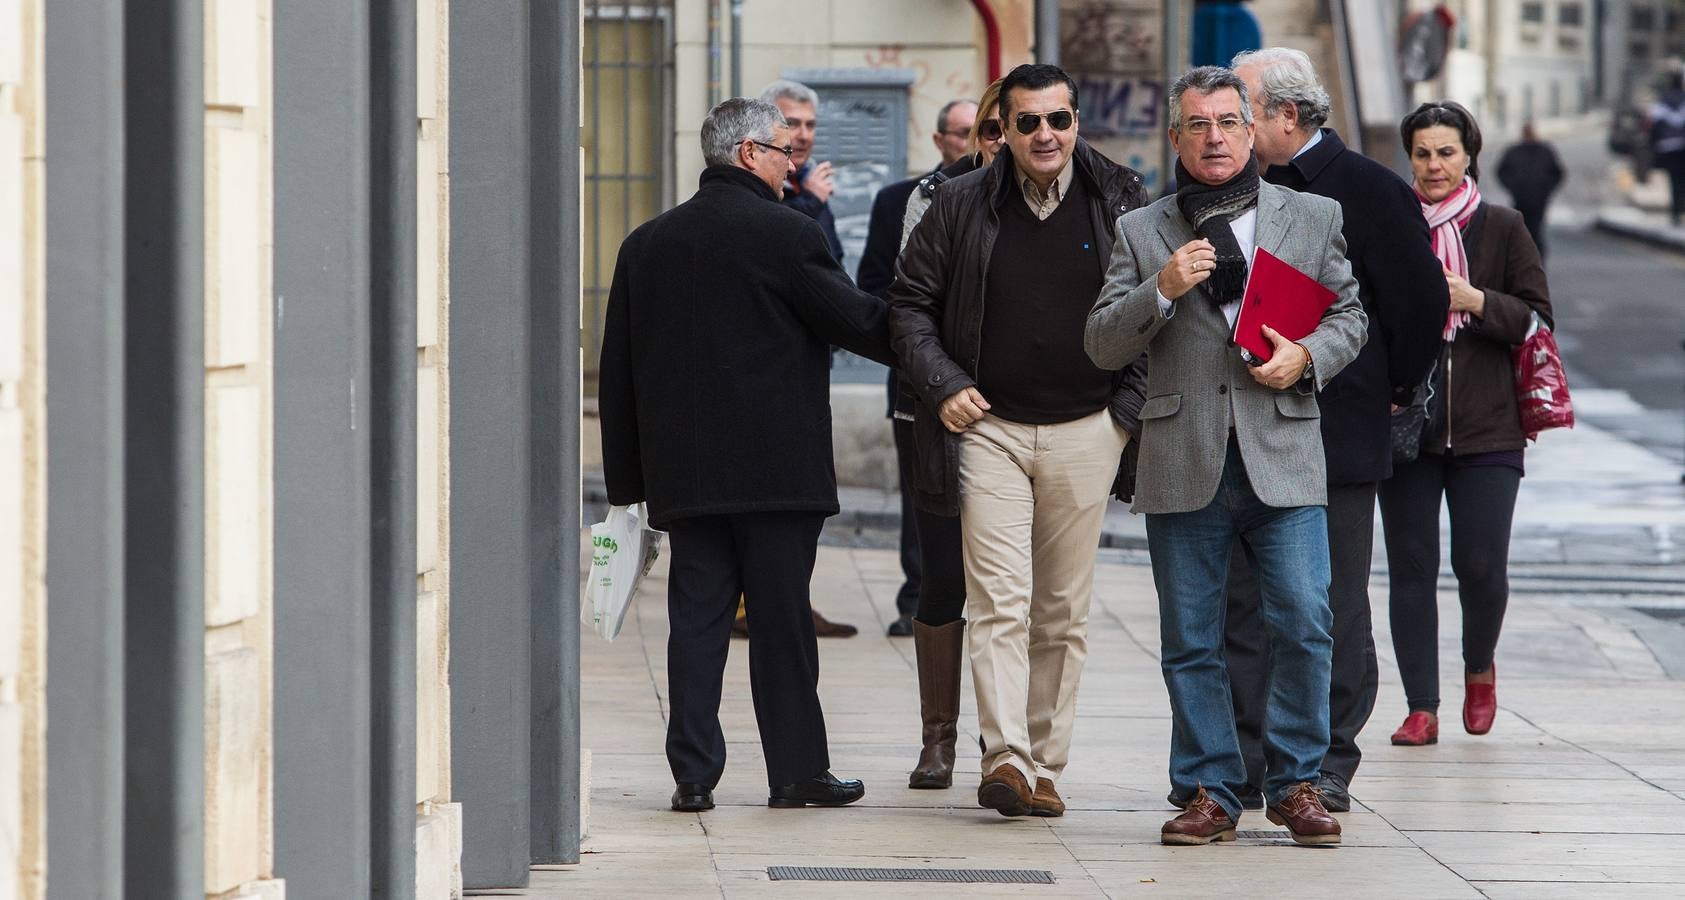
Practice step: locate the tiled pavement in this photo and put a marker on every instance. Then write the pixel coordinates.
(1579, 791)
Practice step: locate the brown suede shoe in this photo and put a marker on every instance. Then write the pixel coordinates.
(1202, 822)
(1005, 791)
(1304, 816)
(825, 628)
(1046, 801)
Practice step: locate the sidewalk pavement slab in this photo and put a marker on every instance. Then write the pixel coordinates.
(1578, 791)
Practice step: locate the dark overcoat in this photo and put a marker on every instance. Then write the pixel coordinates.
(1402, 288)
(714, 386)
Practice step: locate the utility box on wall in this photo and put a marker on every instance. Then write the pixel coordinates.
(863, 133)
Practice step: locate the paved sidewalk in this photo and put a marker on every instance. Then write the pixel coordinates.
(1579, 791)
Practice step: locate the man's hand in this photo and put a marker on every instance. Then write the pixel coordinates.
(1286, 364)
(1188, 266)
(1465, 297)
(963, 408)
(818, 182)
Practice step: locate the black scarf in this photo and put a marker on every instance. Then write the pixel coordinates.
(1209, 208)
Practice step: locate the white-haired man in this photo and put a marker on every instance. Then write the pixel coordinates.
(1403, 292)
(808, 189)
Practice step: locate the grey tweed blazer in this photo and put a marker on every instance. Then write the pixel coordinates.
(1197, 386)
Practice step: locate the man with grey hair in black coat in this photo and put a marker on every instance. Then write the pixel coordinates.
(1403, 292)
(714, 403)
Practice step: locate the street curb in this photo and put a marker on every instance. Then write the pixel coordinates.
(1663, 238)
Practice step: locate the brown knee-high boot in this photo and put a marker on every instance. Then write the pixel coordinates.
(939, 651)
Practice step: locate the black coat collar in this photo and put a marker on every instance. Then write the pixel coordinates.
(718, 177)
(1310, 163)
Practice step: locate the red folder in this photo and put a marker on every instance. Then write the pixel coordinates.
(1281, 297)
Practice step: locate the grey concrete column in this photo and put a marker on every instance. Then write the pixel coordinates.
(490, 410)
(84, 59)
(392, 444)
(163, 368)
(323, 725)
(553, 347)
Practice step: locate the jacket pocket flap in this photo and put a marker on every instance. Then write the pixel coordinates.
(1161, 406)
(1297, 406)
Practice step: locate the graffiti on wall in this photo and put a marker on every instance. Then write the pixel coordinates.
(1112, 49)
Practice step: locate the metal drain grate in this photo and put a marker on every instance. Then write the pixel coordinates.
(927, 876)
(1264, 835)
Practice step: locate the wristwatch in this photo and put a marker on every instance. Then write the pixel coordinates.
(1310, 365)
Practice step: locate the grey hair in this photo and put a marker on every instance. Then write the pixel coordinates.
(1286, 76)
(785, 89)
(733, 122)
(942, 114)
(1207, 80)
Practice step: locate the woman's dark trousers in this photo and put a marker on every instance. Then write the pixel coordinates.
(1481, 502)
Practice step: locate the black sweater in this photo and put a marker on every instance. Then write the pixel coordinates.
(714, 389)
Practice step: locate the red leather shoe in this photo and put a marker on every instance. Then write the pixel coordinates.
(1419, 728)
(1480, 704)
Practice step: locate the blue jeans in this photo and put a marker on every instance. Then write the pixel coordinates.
(1190, 567)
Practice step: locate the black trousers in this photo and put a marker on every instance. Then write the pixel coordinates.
(912, 569)
(1481, 503)
(1674, 164)
(768, 558)
(938, 559)
(1355, 677)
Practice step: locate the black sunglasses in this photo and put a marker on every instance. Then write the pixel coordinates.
(1058, 120)
(989, 130)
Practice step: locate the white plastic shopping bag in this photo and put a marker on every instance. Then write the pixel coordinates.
(623, 548)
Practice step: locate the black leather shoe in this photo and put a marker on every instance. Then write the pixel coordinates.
(692, 798)
(1249, 797)
(823, 790)
(901, 627)
(1336, 794)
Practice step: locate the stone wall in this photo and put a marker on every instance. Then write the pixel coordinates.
(438, 868)
(23, 477)
(239, 483)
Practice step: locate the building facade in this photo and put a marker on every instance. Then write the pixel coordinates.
(238, 251)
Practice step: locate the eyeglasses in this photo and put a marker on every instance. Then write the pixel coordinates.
(1058, 120)
(787, 151)
(989, 130)
(1202, 127)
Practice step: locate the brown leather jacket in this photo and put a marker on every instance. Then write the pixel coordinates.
(936, 307)
(1476, 370)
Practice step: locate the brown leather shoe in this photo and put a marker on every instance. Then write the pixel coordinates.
(823, 627)
(1005, 791)
(1046, 801)
(1202, 822)
(1304, 816)
(939, 649)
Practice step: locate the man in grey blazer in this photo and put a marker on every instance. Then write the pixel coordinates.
(1231, 450)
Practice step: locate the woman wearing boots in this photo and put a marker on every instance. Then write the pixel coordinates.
(1471, 452)
(939, 624)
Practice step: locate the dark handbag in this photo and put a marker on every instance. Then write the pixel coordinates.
(1541, 385)
(1409, 423)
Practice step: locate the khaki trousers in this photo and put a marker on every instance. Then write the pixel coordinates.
(1032, 501)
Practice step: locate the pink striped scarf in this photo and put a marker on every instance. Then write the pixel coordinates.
(1446, 221)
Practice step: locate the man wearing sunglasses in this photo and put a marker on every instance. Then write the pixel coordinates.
(1232, 451)
(714, 391)
(1017, 431)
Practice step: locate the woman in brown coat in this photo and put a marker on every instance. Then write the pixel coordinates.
(1472, 449)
